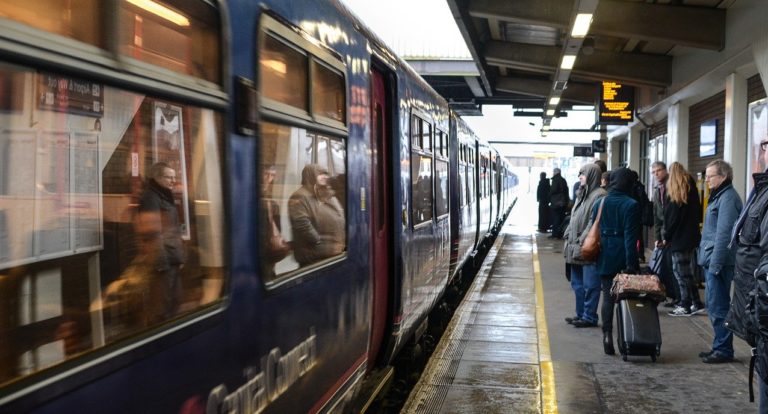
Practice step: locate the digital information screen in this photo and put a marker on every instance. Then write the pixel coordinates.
(616, 104)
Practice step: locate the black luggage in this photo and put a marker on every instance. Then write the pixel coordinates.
(638, 326)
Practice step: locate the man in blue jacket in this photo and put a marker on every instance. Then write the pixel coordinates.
(717, 258)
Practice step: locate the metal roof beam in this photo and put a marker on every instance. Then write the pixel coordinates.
(632, 68)
(575, 92)
(553, 13)
(699, 27)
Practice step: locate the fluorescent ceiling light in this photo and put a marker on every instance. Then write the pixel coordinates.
(550, 112)
(568, 61)
(162, 11)
(581, 25)
(545, 127)
(554, 100)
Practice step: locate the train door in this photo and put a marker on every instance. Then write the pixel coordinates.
(381, 200)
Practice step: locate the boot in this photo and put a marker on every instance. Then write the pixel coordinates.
(608, 343)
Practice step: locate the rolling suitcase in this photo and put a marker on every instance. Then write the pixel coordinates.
(638, 326)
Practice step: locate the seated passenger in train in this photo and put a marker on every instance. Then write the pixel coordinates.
(317, 218)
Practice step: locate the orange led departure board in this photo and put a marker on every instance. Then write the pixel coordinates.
(616, 104)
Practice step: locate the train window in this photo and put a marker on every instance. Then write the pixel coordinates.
(462, 185)
(82, 21)
(328, 94)
(179, 35)
(426, 136)
(441, 187)
(283, 73)
(415, 132)
(111, 216)
(421, 183)
(302, 199)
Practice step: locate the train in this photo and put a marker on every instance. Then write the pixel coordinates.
(314, 201)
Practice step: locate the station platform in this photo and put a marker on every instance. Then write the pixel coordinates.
(509, 350)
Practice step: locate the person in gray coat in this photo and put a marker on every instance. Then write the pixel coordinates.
(317, 218)
(584, 278)
(717, 258)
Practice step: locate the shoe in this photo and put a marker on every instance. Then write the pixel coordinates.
(570, 320)
(581, 323)
(698, 310)
(680, 311)
(704, 354)
(608, 343)
(716, 359)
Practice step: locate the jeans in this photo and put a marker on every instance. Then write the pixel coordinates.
(586, 288)
(606, 312)
(718, 296)
(682, 267)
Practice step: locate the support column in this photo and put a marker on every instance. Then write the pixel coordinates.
(633, 149)
(735, 142)
(678, 121)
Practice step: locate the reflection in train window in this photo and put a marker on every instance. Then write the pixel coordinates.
(83, 22)
(111, 216)
(421, 171)
(283, 76)
(179, 35)
(328, 93)
(302, 199)
(441, 187)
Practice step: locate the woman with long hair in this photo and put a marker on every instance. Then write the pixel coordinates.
(682, 215)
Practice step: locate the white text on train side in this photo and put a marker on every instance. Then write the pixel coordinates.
(264, 384)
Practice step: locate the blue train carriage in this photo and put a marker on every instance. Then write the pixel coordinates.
(464, 203)
(249, 121)
(105, 311)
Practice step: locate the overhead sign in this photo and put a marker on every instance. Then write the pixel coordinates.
(616, 104)
(582, 151)
(65, 94)
(598, 145)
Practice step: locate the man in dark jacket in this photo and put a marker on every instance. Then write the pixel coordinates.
(542, 196)
(558, 202)
(160, 232)
(750, 237)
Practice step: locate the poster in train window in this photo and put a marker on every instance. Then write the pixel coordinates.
(758, 132)
(168, 147)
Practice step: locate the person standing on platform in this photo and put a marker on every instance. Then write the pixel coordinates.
(584, 278)
(660, 199)
(618, 236)
(682, 214)
(717, 258)
(558, 201)
(750, 238)
(542, 196)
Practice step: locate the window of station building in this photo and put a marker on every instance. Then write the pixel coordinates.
(421, 172)
(303, 154)
(79, 19)
(111, 216)
(179, 35)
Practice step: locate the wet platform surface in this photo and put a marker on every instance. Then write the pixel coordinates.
(508, 350)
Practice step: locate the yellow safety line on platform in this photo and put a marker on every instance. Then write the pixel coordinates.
(548, 399)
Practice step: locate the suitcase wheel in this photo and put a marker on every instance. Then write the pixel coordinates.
(653, 357)
(624, 357)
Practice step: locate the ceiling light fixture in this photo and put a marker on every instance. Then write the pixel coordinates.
(568, 61)
(554, 100)
(161, 11)
(550, 112)
(581, 24)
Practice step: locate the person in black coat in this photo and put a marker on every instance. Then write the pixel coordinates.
(682, 215)
(162, 249)
(558, 202)
(542, 196)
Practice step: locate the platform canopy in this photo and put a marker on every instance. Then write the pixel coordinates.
(519, 47)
